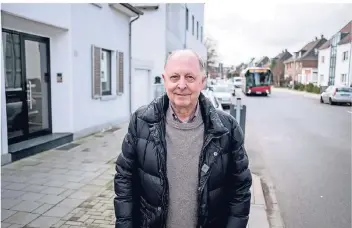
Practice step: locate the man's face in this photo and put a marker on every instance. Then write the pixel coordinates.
(183, 79)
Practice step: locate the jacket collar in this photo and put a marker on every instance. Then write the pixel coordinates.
(156, 112)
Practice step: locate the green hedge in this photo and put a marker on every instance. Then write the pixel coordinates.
(310, 88)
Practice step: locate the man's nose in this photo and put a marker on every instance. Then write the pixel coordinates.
(182, 84)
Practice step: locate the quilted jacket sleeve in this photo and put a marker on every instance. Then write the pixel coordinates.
(125, 163)
(240, 181)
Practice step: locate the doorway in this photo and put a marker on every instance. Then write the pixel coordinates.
(27, 85)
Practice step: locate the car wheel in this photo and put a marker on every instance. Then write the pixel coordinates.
(321, 100)
(331, 102)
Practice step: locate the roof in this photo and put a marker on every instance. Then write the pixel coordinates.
(347, 29)
(346, 39)
(309, 51)
(283, 56)
(132, 8)
(146, 6)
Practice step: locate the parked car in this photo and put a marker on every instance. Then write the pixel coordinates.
(337, 95)
(237, 81)
(209, 94)
(224, 94)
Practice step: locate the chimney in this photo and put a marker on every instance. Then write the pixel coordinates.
(316, 38)
(285, 50)
(322, 36)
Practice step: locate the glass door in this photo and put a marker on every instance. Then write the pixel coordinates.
(27, 83)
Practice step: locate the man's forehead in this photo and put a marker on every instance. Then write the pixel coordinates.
(184, 54)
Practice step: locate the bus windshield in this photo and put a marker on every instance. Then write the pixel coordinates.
(258, 78)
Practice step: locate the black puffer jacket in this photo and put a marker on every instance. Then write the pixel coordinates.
(141, 185)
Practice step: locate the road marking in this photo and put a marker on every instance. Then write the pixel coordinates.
(349, 112)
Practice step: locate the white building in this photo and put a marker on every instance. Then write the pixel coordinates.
(64, 73)
(163, 28)
(335, 60)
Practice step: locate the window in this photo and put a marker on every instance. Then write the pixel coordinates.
(201, 34)
(343, 78)
(187, 15)
(344, 55)
(321, 78)
(192, 25)
(103, 78)
(315, 77)
(197, 30)
(322, 59)
(105, 68)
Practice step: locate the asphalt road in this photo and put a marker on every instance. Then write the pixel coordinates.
(305, 149)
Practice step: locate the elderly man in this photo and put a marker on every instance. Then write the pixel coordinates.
(183, 163)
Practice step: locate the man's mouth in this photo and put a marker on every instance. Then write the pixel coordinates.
(182, 94)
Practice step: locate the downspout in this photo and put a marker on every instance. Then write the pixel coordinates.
(130, 65)
(185, 41)
(349, 67)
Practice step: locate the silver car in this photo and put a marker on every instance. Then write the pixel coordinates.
(337, 95)
(209, 94)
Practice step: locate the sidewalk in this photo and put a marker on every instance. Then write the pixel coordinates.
(71, 187)
(297, 92)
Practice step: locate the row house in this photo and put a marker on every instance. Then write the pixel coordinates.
(335, 62)
(263, 62)
(278, 66)
(302, 67)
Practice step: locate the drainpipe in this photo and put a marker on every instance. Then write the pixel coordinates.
(349, 67)
(185, 42)
(130, 65)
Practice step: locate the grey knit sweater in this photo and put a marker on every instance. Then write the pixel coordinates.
(184, 143)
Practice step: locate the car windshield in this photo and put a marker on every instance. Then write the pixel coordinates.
(346, 90)
(221, 89)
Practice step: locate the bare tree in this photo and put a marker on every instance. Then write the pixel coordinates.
(212, 53)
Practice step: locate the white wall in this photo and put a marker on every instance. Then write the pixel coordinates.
(175, 26)
(323, 68)
(196, 9)
(343, 67)
(148, 39)
(51, 14)
(61, 93)
(105, 28)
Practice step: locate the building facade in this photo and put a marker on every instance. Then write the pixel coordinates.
(174, 26)
(62, 70)
(302, 67)
(335, 60)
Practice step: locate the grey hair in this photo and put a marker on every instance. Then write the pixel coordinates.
(200, 60)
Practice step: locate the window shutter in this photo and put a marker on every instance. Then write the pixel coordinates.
(120, 72)
(96, 72)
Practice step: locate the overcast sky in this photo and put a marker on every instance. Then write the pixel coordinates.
(243, 31)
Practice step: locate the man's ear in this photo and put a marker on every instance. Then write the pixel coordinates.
(163, 76)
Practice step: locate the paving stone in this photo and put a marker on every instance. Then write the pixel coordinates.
(258, 217)
(31, 196)
(43, 208)
(55, 183)
(53, 190)
(73, 185)
(44, 221)
(34, 188)
(10, 194)
(67, 192)
(58, 211)
(26, 206)
(6, 213)
(21, 218)
(8, 203)
(80, 195)
(5, 225)
(51, 199)
(71, 202)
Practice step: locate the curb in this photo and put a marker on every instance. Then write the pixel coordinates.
(272, 206)
(305, 94)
